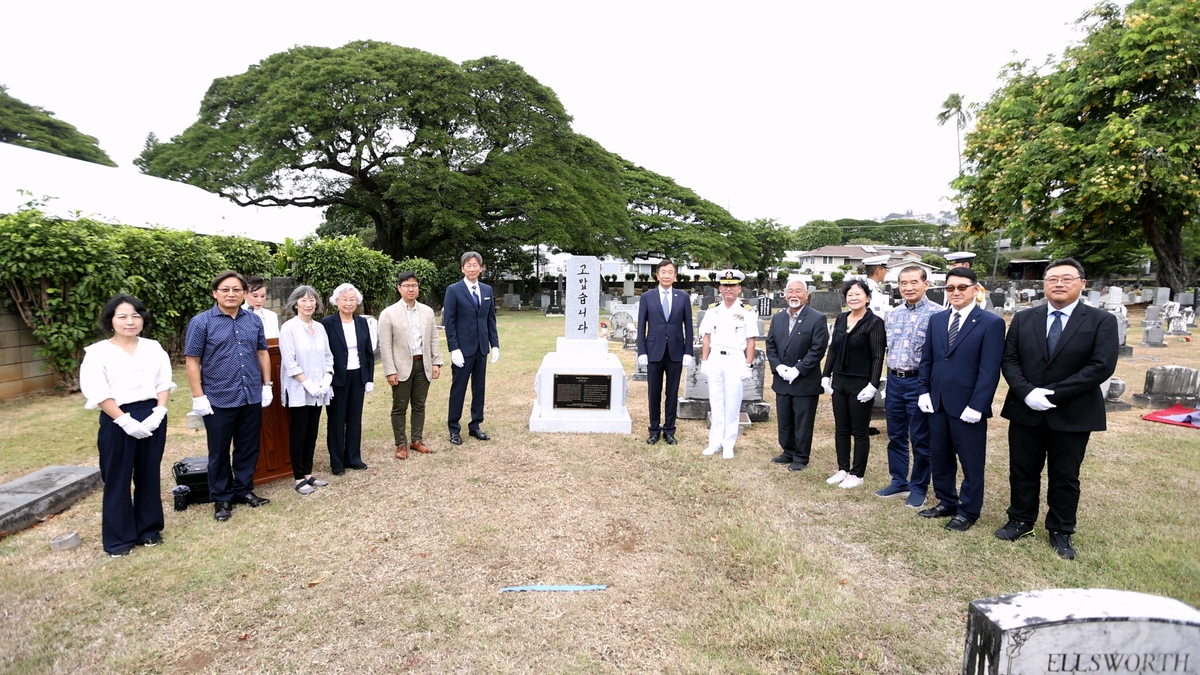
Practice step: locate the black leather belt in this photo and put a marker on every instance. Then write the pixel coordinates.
(416, 357)
(903, 374)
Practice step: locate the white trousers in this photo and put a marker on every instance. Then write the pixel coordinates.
(725, 397)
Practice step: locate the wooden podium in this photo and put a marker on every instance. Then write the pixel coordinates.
(274, 458)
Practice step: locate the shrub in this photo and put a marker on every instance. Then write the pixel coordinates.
(817, 280)
(325, 264)
(630, 276)
(247, 256)
(836, 277)
(427, 276)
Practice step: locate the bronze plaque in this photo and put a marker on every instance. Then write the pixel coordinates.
(589, 392)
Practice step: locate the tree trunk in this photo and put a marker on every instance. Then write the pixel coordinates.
(1165, 236)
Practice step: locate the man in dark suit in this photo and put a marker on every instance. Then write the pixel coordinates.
(959, 371)
(664, 346)
(796, 343)
(469, 313)
(1056, 357)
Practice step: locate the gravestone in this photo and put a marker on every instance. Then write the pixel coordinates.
(998, 298)
(1186, 299)
(1176, 323)
(693, 405)
(512, 301)
(1113, 389)
(581, 386)
(541, 301)
(623, 316)
(763, 305)
(1072, 630)
(1093, 298)
(828, 303)
(1162, 296)
(556, 300)
(627, 289)
(1153, 337)
(1168, 385)
(45, 492)
(1151, 317)
(936, 295)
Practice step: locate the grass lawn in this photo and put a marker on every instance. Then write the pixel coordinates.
(713, 566)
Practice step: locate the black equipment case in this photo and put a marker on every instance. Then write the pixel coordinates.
(193, 472)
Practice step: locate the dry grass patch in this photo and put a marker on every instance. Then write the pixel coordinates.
(713, 566)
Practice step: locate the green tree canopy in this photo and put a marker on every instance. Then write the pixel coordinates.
(438, 156)
(1103, 147)
(818, 233)
(33, 127)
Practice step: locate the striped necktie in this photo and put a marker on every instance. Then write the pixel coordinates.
(953, 329)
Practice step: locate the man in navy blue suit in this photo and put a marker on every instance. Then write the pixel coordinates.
(664, 346)
(469, 312)
(959, 371)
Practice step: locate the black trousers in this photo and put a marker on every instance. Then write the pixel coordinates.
(796, 417)
(303, 441)
(1029, 449)
(475, 370)
(851, 420)
(655, 370)
(126, 461)
(343, 431)
(232, 474)
(954, 443)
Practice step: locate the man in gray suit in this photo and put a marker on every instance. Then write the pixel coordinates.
(796, 343)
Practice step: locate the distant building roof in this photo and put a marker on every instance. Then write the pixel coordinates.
(131, 198)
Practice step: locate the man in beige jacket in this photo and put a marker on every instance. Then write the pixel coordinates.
(408, 343)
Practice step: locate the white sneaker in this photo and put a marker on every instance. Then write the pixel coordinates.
(708, 452)
(836, 478)
(851, 482)
(727, 454)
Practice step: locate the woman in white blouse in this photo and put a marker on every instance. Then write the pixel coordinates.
(129, 379)
(256, 295)
(306, 380)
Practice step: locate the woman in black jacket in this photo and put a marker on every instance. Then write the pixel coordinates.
(353, 377)
(852, 370)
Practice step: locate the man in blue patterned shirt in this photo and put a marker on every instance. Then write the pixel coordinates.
(907, 326)
(229, 371)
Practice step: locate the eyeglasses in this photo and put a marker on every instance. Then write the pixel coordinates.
(409, 286)
(961, 288)
(1053, 281)
(226, 290)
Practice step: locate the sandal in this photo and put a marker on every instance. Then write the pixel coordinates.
(304, 488)
(317, 482)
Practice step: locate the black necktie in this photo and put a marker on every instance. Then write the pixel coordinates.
(953, 329)
(1055, 331)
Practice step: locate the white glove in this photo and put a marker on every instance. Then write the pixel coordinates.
(312, 387)
(827, 385)
(200, 406)
(783, 371)
(748, 373)
(495, 354)
(267, 395)
(155, 419)
(925, 403)
(867, 393)
(132, 427)
(327, 381)
(704, 367)
(456, 358)
(970, 416)
(643, 360)
(1038, 401)
(688, 361)
(369, 387)
(792, 374)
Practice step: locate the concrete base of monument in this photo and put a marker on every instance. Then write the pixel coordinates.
(581, 388)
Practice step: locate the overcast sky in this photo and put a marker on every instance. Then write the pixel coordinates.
(787, 110)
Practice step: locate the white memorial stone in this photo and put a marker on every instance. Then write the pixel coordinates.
(1081, 630)
(581, 386)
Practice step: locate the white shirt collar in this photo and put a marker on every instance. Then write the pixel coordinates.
(1067, 311)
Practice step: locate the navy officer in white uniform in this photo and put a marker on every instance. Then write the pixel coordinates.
(727, 357)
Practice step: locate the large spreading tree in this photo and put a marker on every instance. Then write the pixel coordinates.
(437, 156)
(33, 127)
(1103, 147)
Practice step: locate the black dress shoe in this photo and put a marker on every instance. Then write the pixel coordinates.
(797, 466)
(222, 511)
(654, 435)
(456, 439)
(358, 467)
(670, 439)
(781, 459)
(253, 500)
(959, 523)
(1014, 530)
(1061, 541)
(338, 472)
(938, 511)
(479, 434)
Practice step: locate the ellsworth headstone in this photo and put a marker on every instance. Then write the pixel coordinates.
(580, 386)
(1072, 630)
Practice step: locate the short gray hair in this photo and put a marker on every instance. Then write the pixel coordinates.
(337, 293)
(468, 255)
(300, 292)
(802, 283)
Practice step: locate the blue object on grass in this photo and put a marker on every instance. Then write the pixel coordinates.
(599, 587)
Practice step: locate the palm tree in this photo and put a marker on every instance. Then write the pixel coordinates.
(954, 109)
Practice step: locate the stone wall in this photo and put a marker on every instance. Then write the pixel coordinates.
(21, 371)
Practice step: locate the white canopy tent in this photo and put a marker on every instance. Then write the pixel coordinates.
(125, 196)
